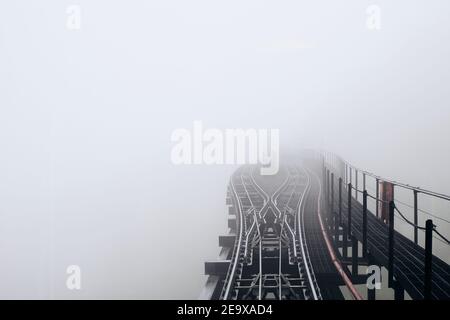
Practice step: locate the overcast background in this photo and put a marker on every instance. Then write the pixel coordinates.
(86, 117)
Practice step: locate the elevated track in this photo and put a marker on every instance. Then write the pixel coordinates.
(293, 237)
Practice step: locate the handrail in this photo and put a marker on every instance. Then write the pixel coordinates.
(416, 226)
(395, 183)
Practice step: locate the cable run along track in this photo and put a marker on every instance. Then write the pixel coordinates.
(270, 258)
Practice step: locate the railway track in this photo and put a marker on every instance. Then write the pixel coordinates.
(270, 258)
(284, 244)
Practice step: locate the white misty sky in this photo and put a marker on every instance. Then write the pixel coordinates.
(86, 118)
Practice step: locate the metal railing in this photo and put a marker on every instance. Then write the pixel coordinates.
(333, 166)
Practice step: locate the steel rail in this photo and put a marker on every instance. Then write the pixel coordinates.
(260, 259)
(269, 203)
(238, 246)
(253, 208)
(283, 221)
(280, 265)
(273, 202)
(259, 233)
(292, 235)
(302, 242)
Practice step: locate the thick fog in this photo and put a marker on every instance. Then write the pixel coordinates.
(86, 117)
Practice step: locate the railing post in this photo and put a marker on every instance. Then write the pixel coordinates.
(416, 220)
(324, 169)
(349, 210)
(354, 256)
(356, 185)
(391, 244)
(346, 173)
(340, 200)
(347, 231)
(377, 198)
(364, 226)
(364, 181)
(336, 230)
(328, 189)
(344, 243)
(428, 259)
(332, 200)
(350, 178)
(399, 292)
